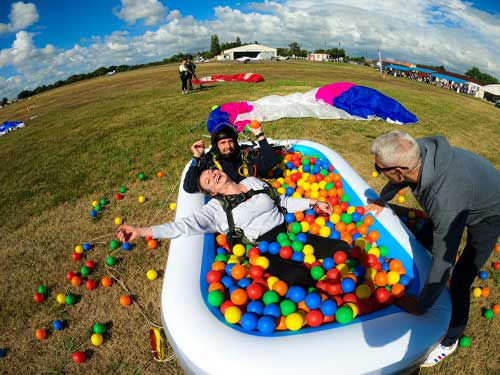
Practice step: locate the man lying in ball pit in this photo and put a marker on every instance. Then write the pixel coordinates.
(458, 190)
(257, 215)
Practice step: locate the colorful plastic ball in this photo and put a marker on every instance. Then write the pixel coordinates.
(296, 293)
(151, 275)
(496, 265)
(118, 196)
(294, 321)
(239, 297)
(476, 292)
(84, 270)
(96, 339)
(141, 176)
(79, 357)
(126, 246)
(273, 310)
(90, 264)
(93, 213)
(118, 221)
(86, 246)
(76, 257)
(269, 297)
(58, 325)
(152, 244)
(344, 315)
(249, 321)
(99, 328)
(215, 298)
(401, 199)
(317, 272)
(38, 297)
(239, 250)
(90, 284)
(382, 295)
(348, 285)
(287, 307)
(70, 299)
(76, 281)
(314, 318)
(464, 342)
(40, 334)
(232, 314)
(110, 260)
(97, 207)
(125, 300)
(488, 313)
(113, 244)
(483, 275)
(141, 199)
(122, 189)
(263, 261)
(313, 301)
(106, 281)
(61, 298)
(485, 292)
(256, 307)
(328, 307)
(266, 324)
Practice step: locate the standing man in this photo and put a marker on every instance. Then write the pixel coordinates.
(184, 76)
(458, 190)
(192, 72)
(227, 155)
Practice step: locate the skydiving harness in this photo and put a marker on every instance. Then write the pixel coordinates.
(230, 202)
(244, 169)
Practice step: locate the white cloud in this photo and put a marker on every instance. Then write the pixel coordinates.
(151, 11)
(447, 32)
(22, 15)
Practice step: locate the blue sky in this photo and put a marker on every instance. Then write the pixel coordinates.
(42, 41)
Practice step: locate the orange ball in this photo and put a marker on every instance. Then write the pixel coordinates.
(281, 326)
(221, 239)
(362, 229)
(496, 309)
(280, 287)
(152, 244)
(299, 216)
(398, 290)
(160, 174)
(374, 235)
(238, 272)
(40, 334)
(218, 266)
(368, 220)
(497, 248)
(216, 286)
(125, 300)
(76, 281)
(381, 278)
(395, 265)
(314, 228)
(340, 227)
(254, 124)
(485, 292)
(239, 297)
(106, 281)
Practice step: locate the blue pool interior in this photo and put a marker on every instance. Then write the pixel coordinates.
(386, 238)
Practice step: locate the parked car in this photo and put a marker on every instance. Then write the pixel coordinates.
(497, 104)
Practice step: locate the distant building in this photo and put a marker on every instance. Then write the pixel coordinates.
(249, 50)
(311, 56)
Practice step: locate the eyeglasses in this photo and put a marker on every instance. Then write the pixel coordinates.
(387, 169)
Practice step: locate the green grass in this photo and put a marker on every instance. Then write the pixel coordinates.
(91, 137)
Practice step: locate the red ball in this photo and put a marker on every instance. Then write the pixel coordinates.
(76, 257)
(90, 284)
(295, 176)
(333, 288)
(38, 297)
(224, 306)
(254, 291)
(365, 306)
(79, 357)
(256, 272)
(148, 238)
(312, 161)
(340, 257)
(118, 196)
(333, 274)
(253, 251)
(314, 318)
(360, 210)
(296, 163)
(333, 201)
(90, 264)
(338, 184)
(310, 219)
(350, 297)
(356, 252)
(496, 265)
(286, 252)
(382, 295)
(319, 177)
(213, 276)
(371, 260)
(344, 206)
(69, 275)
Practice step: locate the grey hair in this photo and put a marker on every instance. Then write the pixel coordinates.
(396, 148)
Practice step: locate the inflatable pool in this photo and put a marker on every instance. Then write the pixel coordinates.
(386, 341)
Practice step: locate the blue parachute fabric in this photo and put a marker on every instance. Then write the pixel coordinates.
(364, 102)
(216, 119)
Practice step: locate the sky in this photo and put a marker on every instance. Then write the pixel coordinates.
(43, 41)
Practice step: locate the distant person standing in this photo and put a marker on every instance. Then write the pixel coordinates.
(192, 72)
(184, 75)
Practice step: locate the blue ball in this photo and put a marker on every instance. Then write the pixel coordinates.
(289, 217)
(330, 225)
(310, 212)
(228, 268)
(404, 280)
(298, 256)
(359, 270)
(316, 169)
(221, 250)
(227, 281)
(313, 301)
(355, 236)
(355, 216)
(274, 248)
(3, 353)
(233, 288)
(93, 213)
(244, 282)
(289, 165)
(302, 237)
(483, 275)
(256, 307)
(86, 246)
(266, 324)
(328, 263)
(328, 307)
(273, 309)
(348, 285)
(58, 325)
(126, 246)
(278, 172)
(249, 321)
(325, 164)
(289, 191)
(385, 267)
(296, 293)
(404, 219)
(334, 235)
(306, 168)
(263, 247)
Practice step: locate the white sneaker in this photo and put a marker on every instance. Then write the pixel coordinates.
(439, 353)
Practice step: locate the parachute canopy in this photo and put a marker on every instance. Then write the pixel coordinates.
(9, 126)
(340, 100)
(241, 77)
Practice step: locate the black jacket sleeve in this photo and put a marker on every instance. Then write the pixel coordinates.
(265, 159)
(191, 179)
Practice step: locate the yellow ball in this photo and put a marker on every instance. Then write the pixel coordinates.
(370, 274)
(363, 291)
(296, 195)
(118, 220)
(314, 194)
(294, 321)
(401, 199)
(270, 281)
(239, 250)
(315, 186)
(305, 176)
(360, 242)
(476, 292)
(324, 232)
(309, 258)
(392, 277)
(232, 314)
(320, 221)
(96, 339)
(172, 206)
(281, 180)
(94, 203)
(281, 191)
(287, 172)
(233, 260)
(263, 262)
(79, 249)
(141, 199)
(305, 226)
(343, 268)
(375, 251)
(306, 186)
(322, 184)
(334, 218)
(308, 249)
(61, 298)
(374, 174)
(152, 275)
(354, 309)
(351, 209)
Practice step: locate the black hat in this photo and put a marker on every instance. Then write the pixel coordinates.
(226, 131)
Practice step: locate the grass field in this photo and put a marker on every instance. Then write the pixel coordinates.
(89, 138)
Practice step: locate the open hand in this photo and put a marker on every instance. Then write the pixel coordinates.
(128, 233)
(376, 206)
(198, 149)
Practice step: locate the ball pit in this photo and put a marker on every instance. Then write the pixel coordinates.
(381, 335)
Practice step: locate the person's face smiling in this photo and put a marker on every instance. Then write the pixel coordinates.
(213, 181)
(226, 146)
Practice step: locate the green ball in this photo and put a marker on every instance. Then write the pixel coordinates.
(246, 129)
(123, 189)
(368, 246)
(343, 315)
(287, 307)
(84, 270)
(291, 236)
(142, 176)
(317, 272)
(70, 299)
(97, 207)
(221, 258)
(215, 298)
(345, 198)
(248, 247)
(42, 289)
(270, 297)
(103, 201)
(324, 172)
(383, 250)
(297, 246)
(346, 218)
(110, 261)
(488, 313)
(329, 186)
(114, 244)
(351, 263)
(464, 342)
(214, 107)
(281, 237)
(99, 328)
(306, 161)
(285, 242)
(388, 288)
(296, 227)
(358, 223)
